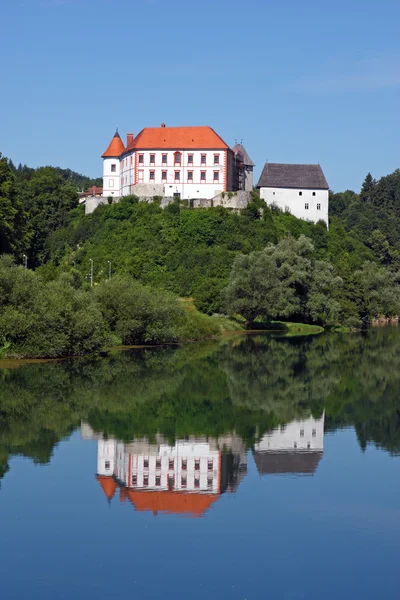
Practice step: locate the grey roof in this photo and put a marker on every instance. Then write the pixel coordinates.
(240, 149)
(281, 463)
(293, 176)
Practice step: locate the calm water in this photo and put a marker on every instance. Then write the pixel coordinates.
(259, 468)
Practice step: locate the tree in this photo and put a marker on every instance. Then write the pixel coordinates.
(377, 292)
(254, 287)
(367, 188)
(13, 229)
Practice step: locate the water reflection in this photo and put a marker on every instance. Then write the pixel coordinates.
(295, 448)
(184, 478)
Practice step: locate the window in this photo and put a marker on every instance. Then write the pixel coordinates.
(202, 176)
(164, 159)
(216, 159)
(164, 176)
(152, 159)
(107, 465)
(141, 159)
(308, 445)
(134, 479)
(146, 463)
(152, 175)
(190, 176)
(209, 482)
(190, 159)
(184, 464)
(300, 193)
(158, 480)
(171, 481)
(295, 445)
(113, 168)
(197, 482)
(203, 159)
(171, 464)
(145, 480)
(314, 432)
(306, 205)
(197, 464)
(318, 207)
(158, 463)
(177, 158)
(313, 194)
(216, 176)
(210, 465)
(183, 481)
(301, 432)
(177, 176)
(131, 159)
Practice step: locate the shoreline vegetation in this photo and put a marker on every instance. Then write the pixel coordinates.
(132, 273)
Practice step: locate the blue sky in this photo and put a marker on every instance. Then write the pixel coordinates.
(298, 81)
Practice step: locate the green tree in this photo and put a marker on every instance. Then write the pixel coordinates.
(255, 288)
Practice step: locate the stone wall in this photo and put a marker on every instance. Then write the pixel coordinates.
(234, 200)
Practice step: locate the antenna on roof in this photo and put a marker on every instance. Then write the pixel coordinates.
(235, 141)
(241, 141)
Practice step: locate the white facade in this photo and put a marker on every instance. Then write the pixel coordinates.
(189, 173)
(308, 204)
(304, 435)
(111, 177)
(187, 466)
(106, 453)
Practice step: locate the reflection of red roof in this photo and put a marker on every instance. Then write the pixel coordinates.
(177, 138)
(172, 502)
(108, 484)
(115, 148)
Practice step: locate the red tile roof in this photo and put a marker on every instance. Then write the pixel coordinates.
(93, 191)
(115, 148)
(172, 502)
(180, 138)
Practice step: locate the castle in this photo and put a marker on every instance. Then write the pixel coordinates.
(196, 165)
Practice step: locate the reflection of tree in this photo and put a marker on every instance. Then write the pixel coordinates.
(282, 376)
(248, 386)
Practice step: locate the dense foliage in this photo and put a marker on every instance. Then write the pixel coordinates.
(57, 318)
(34, 203)
(350, 273)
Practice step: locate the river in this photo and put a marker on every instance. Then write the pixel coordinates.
(261, 467)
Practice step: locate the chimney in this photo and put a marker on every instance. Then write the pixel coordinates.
(162, 124)
(129, 138)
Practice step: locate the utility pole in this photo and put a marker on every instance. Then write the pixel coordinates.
(109, 270)
(91, 272)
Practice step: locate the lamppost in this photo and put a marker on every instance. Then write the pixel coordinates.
(109, 270)
(25, 261)
(91, 272)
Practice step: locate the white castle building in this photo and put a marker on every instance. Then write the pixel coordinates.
(301, 189)
(182, 162)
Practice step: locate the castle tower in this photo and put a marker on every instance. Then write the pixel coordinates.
(111, 167)
(244, 168)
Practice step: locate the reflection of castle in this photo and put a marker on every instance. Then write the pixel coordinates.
(294, 448)
(185, 478)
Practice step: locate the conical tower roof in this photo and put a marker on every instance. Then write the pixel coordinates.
(108, 485)
(115, 148)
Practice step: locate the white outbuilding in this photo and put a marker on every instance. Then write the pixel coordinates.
(301, 189)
